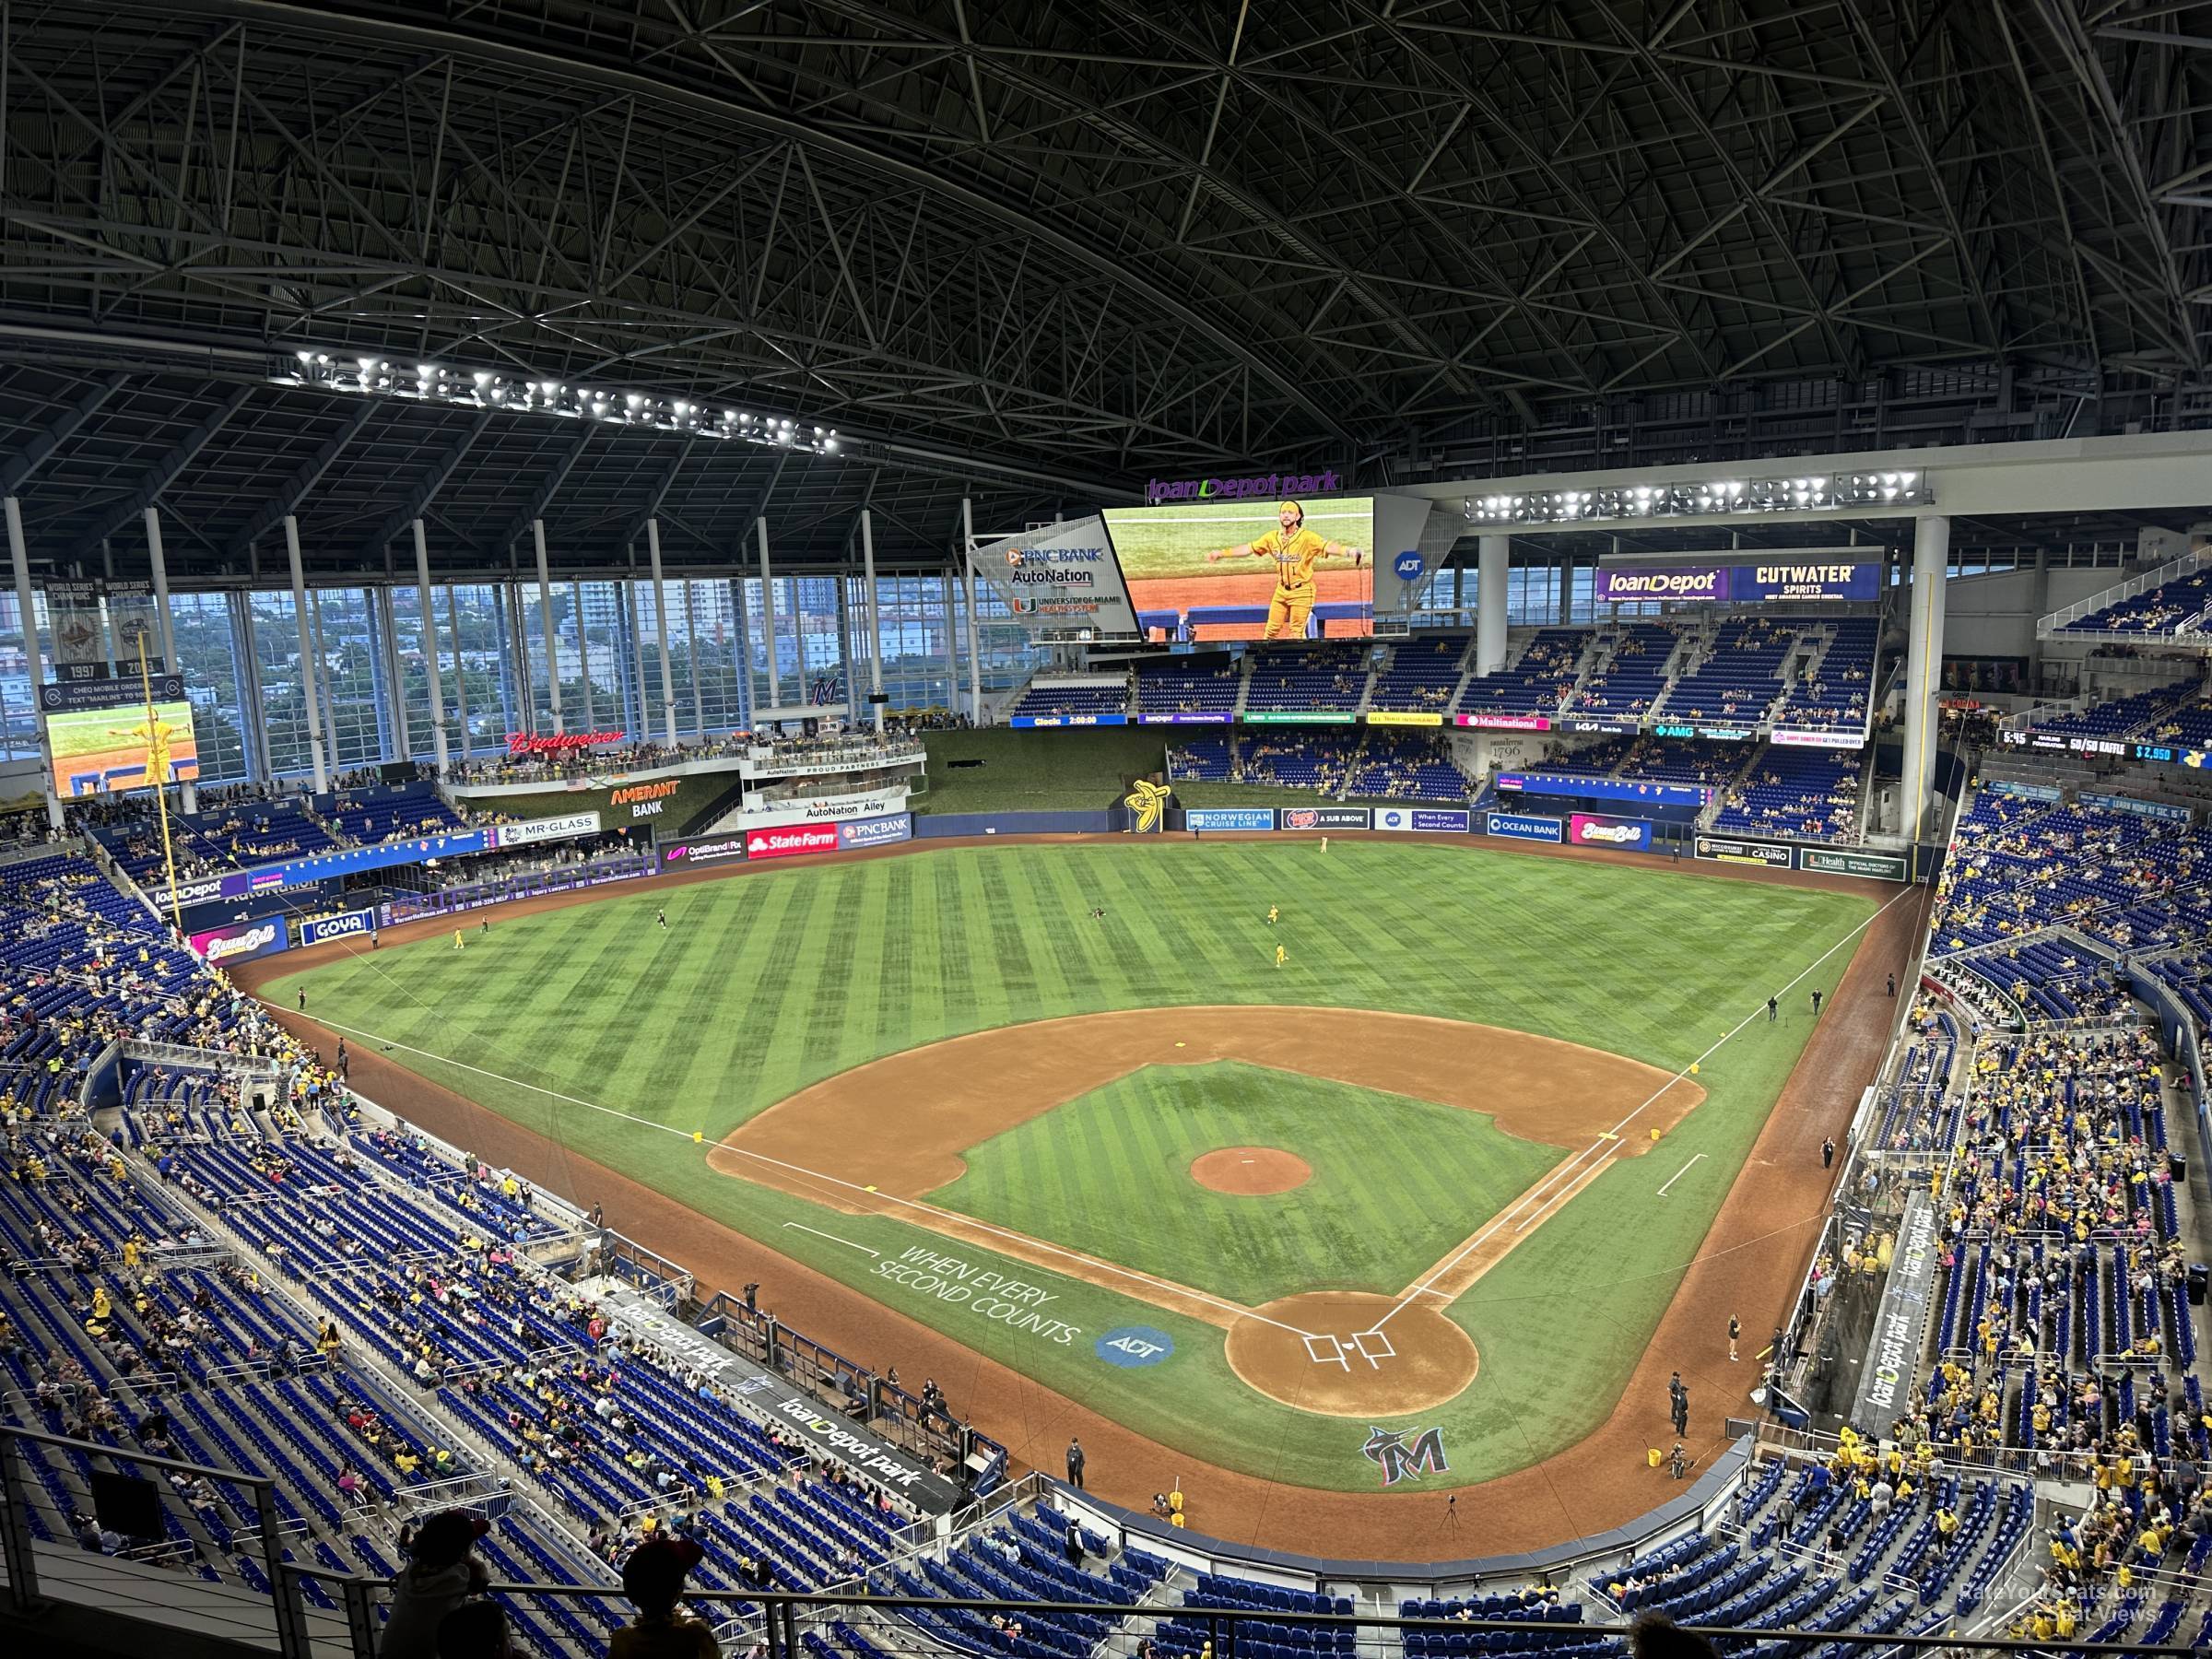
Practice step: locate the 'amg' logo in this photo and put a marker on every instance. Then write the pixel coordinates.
(1387, 1449)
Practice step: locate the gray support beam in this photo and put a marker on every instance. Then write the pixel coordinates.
(1494, 555)
(867, 565)
(1923, 667)
(768, 618)
(583, 652)
(975, 635)
(699, 705)
(544, 623)
(430, 647)
(18, 556)
(418, 501)
(189, 795)
(452, 617)
(18, 466)
(395, 677)
(660, 614)
(518, 651)
(161, 474)
(541, 499)
(637, 650)
(286, 502)
(308, 655)
(330, 698)
(952, 635)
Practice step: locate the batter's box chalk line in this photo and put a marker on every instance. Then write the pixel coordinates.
(1375, 1348)
(1334, 1354)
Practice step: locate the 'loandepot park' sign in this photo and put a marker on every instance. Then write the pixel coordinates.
(1274, 486)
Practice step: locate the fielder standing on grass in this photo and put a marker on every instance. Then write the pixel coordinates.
(1296, 550)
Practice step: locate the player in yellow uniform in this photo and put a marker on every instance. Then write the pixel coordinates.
(1272, 913)
(1296, 550)
(457, 939)
(1281, 956)
(155, 732)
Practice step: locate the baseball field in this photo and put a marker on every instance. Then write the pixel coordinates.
(1442, 1166)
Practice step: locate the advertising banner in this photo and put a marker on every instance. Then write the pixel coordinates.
(1893, 1350)
(1831, 737)
(1743, 850)
(876, 832)
(2026, 791)
(760, 811)
(530, 830)
(1525, 825)
(1212, 819)
(2149, 809)
(1322, 818)
(346, 861)
(1594, 829)
(1210, 717)
(1611, 728)
(92, 690)
(1719, 733)
(1430, 820)
(1838, 861)
(1299, 717)
(240, 941)
(1605, 789)
(791, 839)
(1061, 579)
(719, 850)
(1505, 723)
(645, 800)
(337, 927)
(1282, 567)
(1399, 717)
(1739, 584)
(1041, 721)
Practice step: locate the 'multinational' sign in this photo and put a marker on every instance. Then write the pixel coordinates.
(1893, 1351)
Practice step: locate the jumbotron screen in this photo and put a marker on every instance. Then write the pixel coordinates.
(1255, 569)
(97, 751)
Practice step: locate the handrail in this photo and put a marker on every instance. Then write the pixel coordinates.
(2104, 599)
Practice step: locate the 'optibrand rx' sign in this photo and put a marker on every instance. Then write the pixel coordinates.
(1275, 485)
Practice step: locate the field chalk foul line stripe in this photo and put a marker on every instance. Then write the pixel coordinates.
(833, 1238)
(1427, 1286)
(1677, 1175)
(390, 1045)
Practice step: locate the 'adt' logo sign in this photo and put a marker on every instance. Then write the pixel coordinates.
(1131, 1346)
(1408, 565)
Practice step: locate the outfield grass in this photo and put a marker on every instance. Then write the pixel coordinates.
(774, 979)
(1109, 1175)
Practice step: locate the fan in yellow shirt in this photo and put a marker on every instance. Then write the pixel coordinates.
(1296, 550)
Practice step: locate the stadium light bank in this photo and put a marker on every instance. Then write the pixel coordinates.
(1841, 492)
(488, 389)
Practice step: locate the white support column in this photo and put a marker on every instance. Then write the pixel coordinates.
(395, 679)
(659, 613)
(637, 650)
(429, 649)
(768, 618)
(1494, 558)
(518, 653)
(967, 571)
(309, 662)
(867, 564)
(330, 702)
(952, 643)
(168, 627)
(699, 703)
(583, 652)
(19, 557)
(545, 625)
(452, 619)
(1923, 669)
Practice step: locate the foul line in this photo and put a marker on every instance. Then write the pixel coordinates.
(1427, 1287)
(833, 1238)
(914, 1204)
(1677, 1176)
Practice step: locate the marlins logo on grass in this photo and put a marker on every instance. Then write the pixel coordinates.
(1147, 804)
(1386, 1449)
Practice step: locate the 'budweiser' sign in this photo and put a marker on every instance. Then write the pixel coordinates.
(528, 743)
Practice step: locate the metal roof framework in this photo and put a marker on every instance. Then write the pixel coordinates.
(1037, 254)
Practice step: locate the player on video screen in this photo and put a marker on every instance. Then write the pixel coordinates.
(1296, 550)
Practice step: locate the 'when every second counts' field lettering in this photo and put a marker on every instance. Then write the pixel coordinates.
(989, 1294)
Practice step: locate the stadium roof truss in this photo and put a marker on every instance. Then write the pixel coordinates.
(1038, 252)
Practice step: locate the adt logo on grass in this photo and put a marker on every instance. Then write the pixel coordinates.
(1132, 1346)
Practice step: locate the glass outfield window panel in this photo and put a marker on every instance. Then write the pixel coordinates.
(276, 660)
(18, 698)
(355, 738)
(481, 682)
(209, 656)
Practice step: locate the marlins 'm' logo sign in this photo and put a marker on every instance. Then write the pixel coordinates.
(1147, 804)
(1386, 1448)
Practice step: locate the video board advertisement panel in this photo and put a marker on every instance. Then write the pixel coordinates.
(99, 750)
(1260, 569)
(1060, 579)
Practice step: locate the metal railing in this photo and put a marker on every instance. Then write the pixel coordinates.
(2172, 570)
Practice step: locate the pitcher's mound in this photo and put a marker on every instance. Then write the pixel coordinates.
(1345, 1368)
(1250, 1171)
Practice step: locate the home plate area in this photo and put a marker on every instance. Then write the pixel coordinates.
(1352, 1354)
